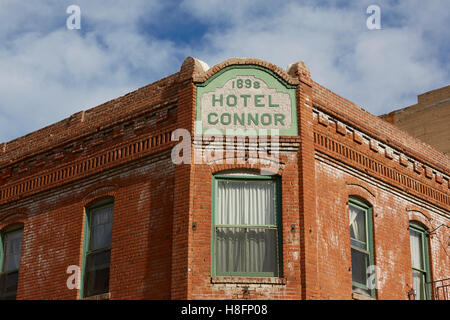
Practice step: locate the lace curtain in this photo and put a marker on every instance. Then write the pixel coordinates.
(245, 248)
(13, 246)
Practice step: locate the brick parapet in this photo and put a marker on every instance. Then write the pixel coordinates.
(87, 122)
(348, 112)
(364, 159)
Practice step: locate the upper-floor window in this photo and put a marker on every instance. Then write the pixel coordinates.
(361, 246)
(10, 246)
(419, 261)
(97, 249)
(246, 226)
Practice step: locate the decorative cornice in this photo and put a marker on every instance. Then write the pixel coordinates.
(143, 111)
(378, 146)
(81, 168)
(143, 121)
(200, 75)
(327, 115)
(352, 154)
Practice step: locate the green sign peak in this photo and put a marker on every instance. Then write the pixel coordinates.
(246, 98)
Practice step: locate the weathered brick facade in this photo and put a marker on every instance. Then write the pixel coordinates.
(122, 150)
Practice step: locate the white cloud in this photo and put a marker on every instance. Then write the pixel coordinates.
(379, 69)
(48, 72)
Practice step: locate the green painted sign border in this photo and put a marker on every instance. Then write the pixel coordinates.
(267, 76)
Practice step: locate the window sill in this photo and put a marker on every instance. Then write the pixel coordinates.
(357, 296)
(248, 280)
(103, 296)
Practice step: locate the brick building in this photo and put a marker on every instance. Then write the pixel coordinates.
(427, 120)
(240, 181)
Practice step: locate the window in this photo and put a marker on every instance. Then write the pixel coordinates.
(246, 226)
(419, 261)
(10, 246)
(97, 249)
(361, 246)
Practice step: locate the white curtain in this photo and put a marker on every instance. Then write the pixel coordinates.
(417, 262)
(357, 224)
(418, 285)
(360, 260)
(101, 228)
(13, 246)
(245, 203)
(416, 249)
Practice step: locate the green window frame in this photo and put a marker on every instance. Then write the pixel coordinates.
(361, 246)
(249, 230)
(424, 269)
(9, 278)
(96, 258)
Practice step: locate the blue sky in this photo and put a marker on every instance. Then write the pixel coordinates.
(48, 72)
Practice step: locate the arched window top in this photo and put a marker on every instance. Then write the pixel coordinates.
(356, 199)
(419, 218)
(13, 218)
(239, 172)
(100, 201)
(12, 227)
(419, 226)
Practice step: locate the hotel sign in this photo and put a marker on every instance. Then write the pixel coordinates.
(246, 98)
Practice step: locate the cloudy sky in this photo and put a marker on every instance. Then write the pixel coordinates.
(48, 72)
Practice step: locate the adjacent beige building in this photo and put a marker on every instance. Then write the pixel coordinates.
(428, 120)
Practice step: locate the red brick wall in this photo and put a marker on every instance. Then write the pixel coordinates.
(141, 235)
(391, 217)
